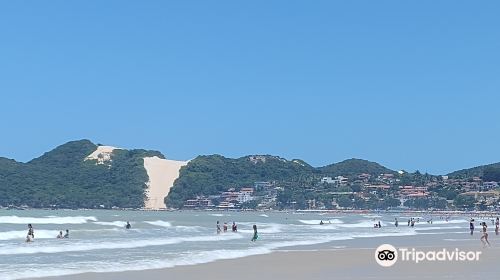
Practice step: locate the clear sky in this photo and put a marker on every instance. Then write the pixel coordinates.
(410, 84)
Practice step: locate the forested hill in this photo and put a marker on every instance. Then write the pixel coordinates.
(66, 178)
(490, 172)
(354, 166)
(207, 175)
(63, 178)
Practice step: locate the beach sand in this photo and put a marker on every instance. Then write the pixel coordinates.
(356, 263)
(162, 174)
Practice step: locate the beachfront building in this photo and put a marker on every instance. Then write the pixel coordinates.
(200, 202)
(327, 180)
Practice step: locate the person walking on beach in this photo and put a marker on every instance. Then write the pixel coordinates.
(218, 227)
(471, 226)
(484, 238)
(255, 235)
(396, 222)
(31, 233)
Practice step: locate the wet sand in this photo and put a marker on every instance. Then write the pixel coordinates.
(356, 263)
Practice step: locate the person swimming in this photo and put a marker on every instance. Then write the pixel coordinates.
(60, 235)
(67, 234)
(31, 234)
(128, 226)
(321, 222)
(255, 234)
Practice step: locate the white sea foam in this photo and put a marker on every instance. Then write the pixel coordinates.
(218, 215)
(317, 222)
(189, 228)
(113, 223)
(364, 224)
(264, 228)
(264, 215)
(21, 234)
(34, 248)
(440, 222)
(159, 223)
(418, 228)
(46, 220)
(189, 258)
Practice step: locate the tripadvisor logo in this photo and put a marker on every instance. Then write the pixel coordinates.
(387, 255)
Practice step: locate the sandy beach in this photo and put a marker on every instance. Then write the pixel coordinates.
(356, 263)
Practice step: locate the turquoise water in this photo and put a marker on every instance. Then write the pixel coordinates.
(99, 241)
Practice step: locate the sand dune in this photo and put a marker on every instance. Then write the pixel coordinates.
(102, 154)
(162, 174)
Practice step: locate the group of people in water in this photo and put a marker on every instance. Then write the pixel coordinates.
(30, 237)
(234, 228)
(484, 231)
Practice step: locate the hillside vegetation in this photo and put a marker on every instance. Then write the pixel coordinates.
(63, 178)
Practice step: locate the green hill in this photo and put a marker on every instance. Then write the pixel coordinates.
(489, 172)
(354, 167)
(63, 178)
(207, 175)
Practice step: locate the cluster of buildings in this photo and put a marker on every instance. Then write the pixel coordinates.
(390, 185)
(364, 186)
(265, 192)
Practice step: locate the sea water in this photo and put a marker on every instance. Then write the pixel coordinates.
(99, 241)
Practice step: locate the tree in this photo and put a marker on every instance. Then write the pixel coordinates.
(464, 201)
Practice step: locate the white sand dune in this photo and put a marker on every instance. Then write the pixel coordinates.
(162, 174)
(102, 154)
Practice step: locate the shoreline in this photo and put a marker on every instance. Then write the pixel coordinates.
(354, 263)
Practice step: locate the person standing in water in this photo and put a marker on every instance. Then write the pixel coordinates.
(471, 226)
(128, 226)
(235, 227)
(255, 235)
(218, 227)
(31, 233)
(225, 227)
(484, 238)
(396, 222)
(497, 224)
(60, 235)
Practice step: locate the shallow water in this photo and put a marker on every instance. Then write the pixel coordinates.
(99, 241)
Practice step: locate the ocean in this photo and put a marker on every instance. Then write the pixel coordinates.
(99, 241)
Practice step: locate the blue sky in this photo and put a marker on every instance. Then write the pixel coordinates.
(409, 84)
